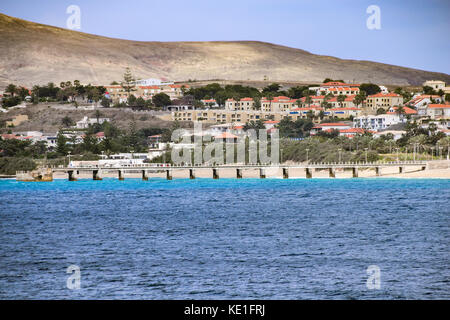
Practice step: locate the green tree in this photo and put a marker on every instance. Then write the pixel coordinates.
(128, 81)
(11, 89)
(341, 98)
(61, 144)
(369, 88)
(67, 121)
(161, 100)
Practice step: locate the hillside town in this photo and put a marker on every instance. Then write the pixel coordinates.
(328, 110)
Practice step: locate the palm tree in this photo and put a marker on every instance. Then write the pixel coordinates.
(12, 89)
(341, 98)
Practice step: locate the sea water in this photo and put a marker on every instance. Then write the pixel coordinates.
(225, 239)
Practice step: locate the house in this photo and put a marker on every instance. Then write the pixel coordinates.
(396, 133)
(421, 102)
(438, 111)
(383, 100)
(406, 111)
(244, 104)
(226, 137)
(350, 133)
(305, 112)
(435, 84)
(343, 113)
(329, 127)
(269, 124)
(337, 88)
(212, 103)
(277, 104)
(348, 102)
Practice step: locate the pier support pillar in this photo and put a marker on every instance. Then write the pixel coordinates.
(144, 175)
(308, 173)
(332, 172)
(191, 174)
(262, 173)
(72, 175)
(169, 174)
(400, 169)
(215, 173)
(239, 173)
(121, 175)
(97, 175)
(355, 172)
(285, 173)
(377, 171)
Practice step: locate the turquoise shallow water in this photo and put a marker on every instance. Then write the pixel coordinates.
(225, 239)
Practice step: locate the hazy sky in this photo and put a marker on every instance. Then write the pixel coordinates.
(413, 33)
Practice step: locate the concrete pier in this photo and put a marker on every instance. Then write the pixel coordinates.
(97, 175)
(262, 173)
(332, 172)
(72, 175)
(46, 174)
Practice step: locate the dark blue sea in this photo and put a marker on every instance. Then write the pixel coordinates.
(225, 239)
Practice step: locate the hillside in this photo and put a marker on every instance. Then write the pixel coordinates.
(33, 53)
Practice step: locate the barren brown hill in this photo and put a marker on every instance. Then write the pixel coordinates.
(32, 53)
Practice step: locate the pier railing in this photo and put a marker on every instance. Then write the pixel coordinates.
(164, 166)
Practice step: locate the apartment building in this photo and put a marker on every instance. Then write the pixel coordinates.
(378, 122)
(343, 113)
(435, 84)
(337, 88)
(245, 104)
(383, 100)
(438, 111)
(278, 104)
(228, 116)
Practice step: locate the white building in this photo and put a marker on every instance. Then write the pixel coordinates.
(85, 122)
(438, 111)
(435, 84)
(152, 82)
(378, 122)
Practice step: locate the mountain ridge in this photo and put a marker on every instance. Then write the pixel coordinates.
(36, 54)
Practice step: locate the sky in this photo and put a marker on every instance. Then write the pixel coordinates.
(411, 33)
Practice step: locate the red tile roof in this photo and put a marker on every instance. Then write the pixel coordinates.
(226, 135)
(271, 121)
(435, 105)
(383, 95)
(336, 124)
